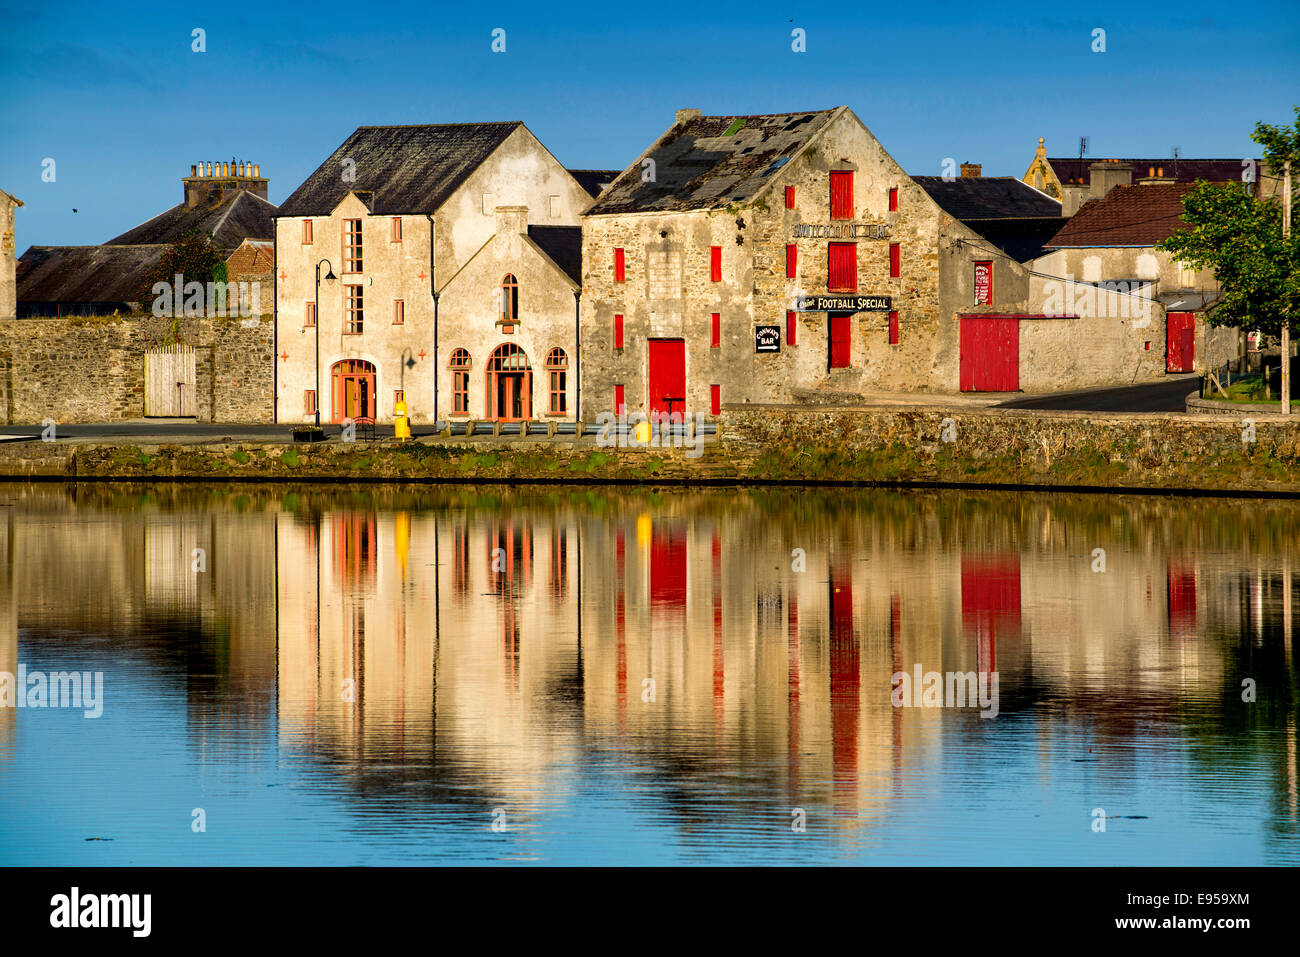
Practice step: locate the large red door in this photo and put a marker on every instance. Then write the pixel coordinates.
(1180, 342)
(667, 385)
(990, 354)
(841, 342)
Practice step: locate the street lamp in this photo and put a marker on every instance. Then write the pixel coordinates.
(329, 277)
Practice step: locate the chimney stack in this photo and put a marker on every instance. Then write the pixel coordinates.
(971, 170)
(209, 183)
(687, 114)
(1105, 176)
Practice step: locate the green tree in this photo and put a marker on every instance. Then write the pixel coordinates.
(192, 256)
(1239, 234)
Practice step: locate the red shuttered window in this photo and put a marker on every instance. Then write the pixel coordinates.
(842, 271)
(311, 315)
(620, 265)
(306, 232)
(842, 194)
(715, 399)
(894, 261)
(893, 327)
(715, 325)
(840, 330)
(715, 263)
(791, 260)
(618, 331)
(893, 200)
(309, 402)
(620, 406)
(791, 325)
(789, 197)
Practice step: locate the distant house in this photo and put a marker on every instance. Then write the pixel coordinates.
(1104, 264)
(225, 201)
(1014, 217)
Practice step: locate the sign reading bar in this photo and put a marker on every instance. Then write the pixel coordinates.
(841, 231)
(842, 304)
(767, 338)
(983, 283)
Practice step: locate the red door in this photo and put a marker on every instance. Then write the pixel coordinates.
(1180, 342)
(667, 383)
(990, 354)
(841, 344)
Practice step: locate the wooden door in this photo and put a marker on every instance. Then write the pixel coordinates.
(169, 382)
(990, 354)
(667, 378)
(840, 332)
(1180, 342)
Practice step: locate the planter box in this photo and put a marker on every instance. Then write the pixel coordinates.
(309, 435)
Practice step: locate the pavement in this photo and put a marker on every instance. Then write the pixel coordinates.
(1168, 395)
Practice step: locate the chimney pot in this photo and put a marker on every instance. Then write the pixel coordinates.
(193, 169)
(257, 170)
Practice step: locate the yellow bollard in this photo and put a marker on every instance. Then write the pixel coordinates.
(401, 422)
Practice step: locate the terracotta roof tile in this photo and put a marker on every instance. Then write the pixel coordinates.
(1126, 216)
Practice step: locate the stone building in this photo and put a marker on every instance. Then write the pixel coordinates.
(454, 250)
(783, 258)
(8, 265)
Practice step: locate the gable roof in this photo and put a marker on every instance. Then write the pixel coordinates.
(563, 244)
(707, 162)
(1126, 216)
(988, 197)
(84, 274)
(406, 169)
(594, 180)
(241, 215)
(1074, 170)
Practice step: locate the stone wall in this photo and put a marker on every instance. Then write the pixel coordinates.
(92, 369)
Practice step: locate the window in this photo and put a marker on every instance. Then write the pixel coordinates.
(715, 399)
(620, 406)
(553, 207)
(399, 395)
(310, 319)
(306, 232)
(842, 267)
(620, 265)
(354, 311)
(352, 245)
(893, 199)
(1186, 276)
(791, 325)
(789, 197)
(557, 364)
(460, 382)
(488, 203)
(399, 312)
(840, 344)
(397, 229)
(842, 194)
(618, 331)
(895, 269)
(791, 260)
(715, 263)
(509, 302)
(893, 327)
(309, 402)
(716, 327)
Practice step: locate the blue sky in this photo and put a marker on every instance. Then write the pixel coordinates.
(121, 103)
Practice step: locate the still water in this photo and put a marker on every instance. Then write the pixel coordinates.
(344, 675)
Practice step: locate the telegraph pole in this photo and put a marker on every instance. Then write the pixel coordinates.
(1286, 317)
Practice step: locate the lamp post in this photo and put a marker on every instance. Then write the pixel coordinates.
(329, 277)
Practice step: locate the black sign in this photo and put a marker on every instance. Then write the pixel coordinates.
(843, 304)
(767, 338)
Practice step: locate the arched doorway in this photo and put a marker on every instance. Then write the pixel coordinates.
(509, 384)
(352, 392)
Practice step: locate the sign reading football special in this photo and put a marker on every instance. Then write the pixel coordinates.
(842, 304)
(767, 338)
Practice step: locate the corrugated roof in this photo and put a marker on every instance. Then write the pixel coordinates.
(407, 169)
(1126, 216)
(242, 215)
(85, 274)
(1074, 170)
(710, 161)
(988, 197)
(594, 180)
(563, 244)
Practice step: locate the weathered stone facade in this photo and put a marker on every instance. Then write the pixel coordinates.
(8, 262)
(92, 369)
(435, 246)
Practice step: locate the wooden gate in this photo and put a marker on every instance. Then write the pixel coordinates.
(990, 354)
(169, 382)
(1180, 342)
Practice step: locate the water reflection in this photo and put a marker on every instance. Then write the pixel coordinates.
(644, 676)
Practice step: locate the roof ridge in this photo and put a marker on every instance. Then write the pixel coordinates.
(425, 126)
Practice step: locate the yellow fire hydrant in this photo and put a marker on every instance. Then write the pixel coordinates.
(401, 422)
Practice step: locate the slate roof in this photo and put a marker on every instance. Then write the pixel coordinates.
(711, 161)
(563, 244)
(988, 197)
(594, 180)
(1074, 170)
(84, 274)
(1126, 216)
(407, 169)
(242, 215)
